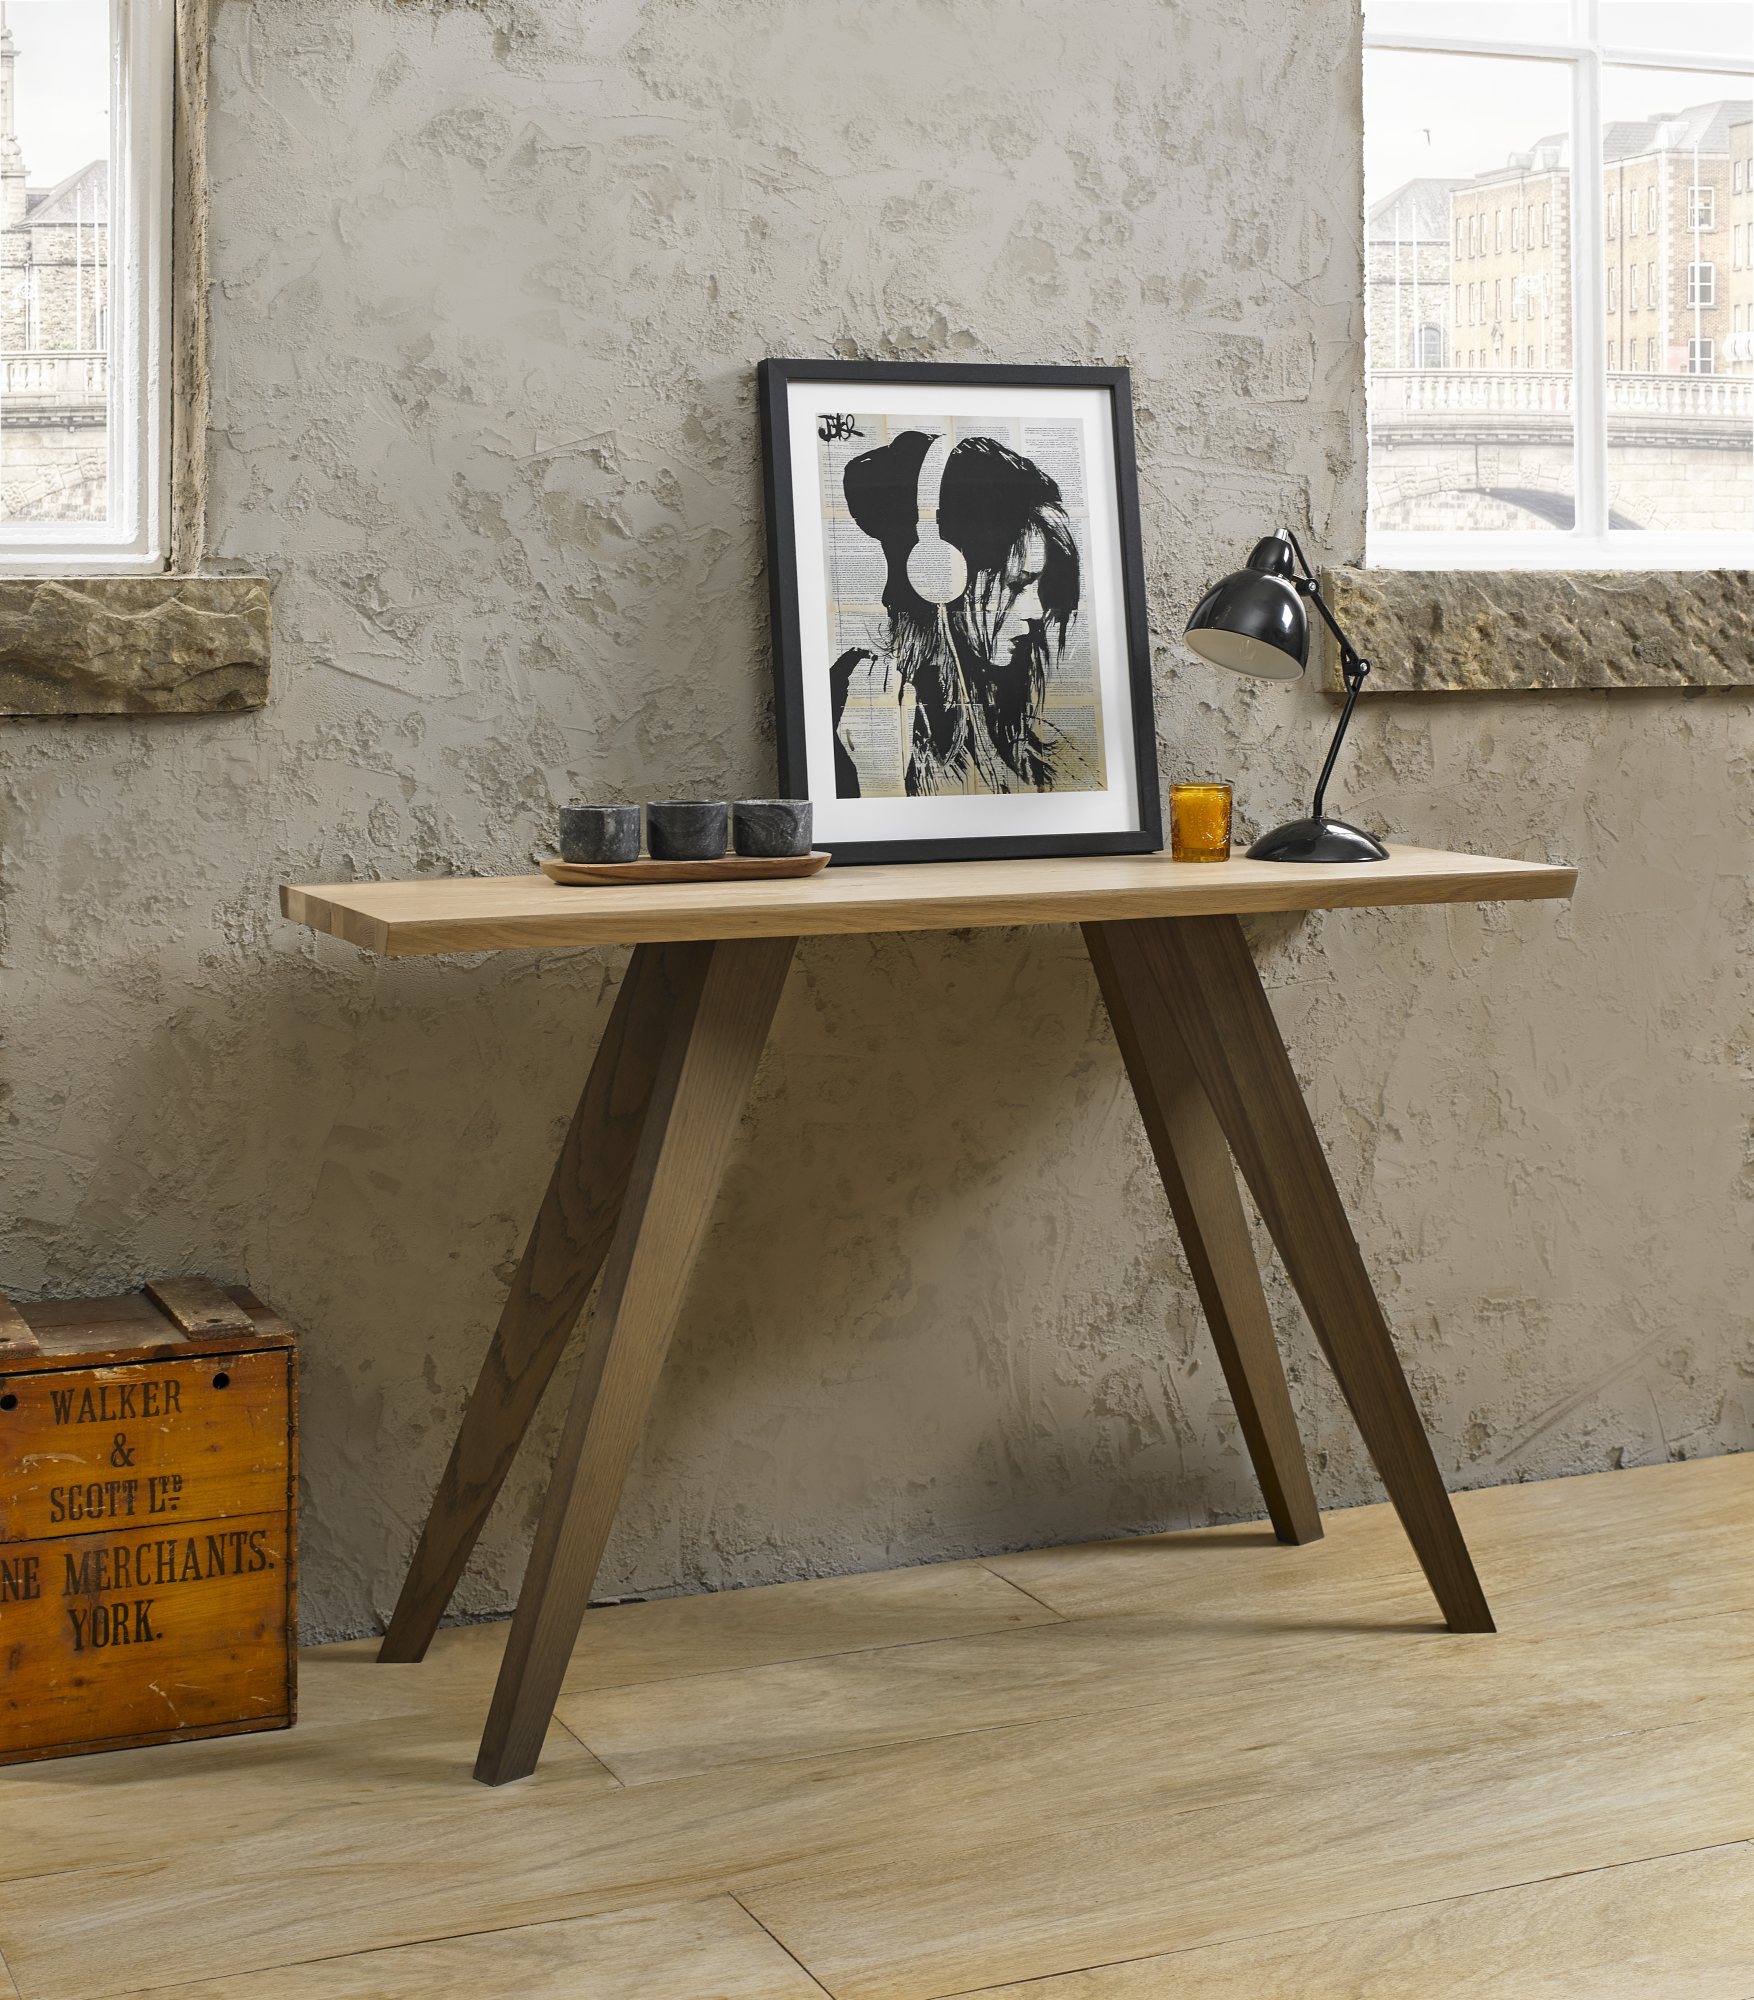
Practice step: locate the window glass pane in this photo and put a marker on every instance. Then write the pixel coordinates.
(54, 260)
(1481, 20)
(1467, 169)
(1686, 27)
(1679, 210)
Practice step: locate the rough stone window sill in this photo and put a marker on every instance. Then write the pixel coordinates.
(133, 645)
(1486, 631)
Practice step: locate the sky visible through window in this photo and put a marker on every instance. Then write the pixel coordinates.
(1507, 117)
(63, 118)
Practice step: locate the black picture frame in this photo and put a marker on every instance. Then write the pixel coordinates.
(775, 376)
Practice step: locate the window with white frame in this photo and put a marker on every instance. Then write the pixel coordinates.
(85, 121)
(1619, 120)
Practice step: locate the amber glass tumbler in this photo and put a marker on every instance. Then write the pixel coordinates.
(1199, 820)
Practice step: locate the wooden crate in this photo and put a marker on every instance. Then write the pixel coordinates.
(148, 1520)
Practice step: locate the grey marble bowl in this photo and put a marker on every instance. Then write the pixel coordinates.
(771, 826)
(686, 829)
(599, 833)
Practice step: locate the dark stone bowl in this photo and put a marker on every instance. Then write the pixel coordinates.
(772, 826)
(599, 833)
(686, 829)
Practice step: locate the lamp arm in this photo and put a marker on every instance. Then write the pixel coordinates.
(1353, 668)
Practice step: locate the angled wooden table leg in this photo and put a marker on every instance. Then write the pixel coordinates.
(560, 1264)
(1207, 975)
(702, 1081)
(1200, 1181)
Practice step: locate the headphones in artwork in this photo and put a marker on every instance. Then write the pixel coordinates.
(936, 570)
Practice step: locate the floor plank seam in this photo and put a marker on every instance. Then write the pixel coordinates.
(837, 1653)
(614, 1777)
(1356, 1916)
(710, 1771)
(417, 1943)
(1065, 1617)
(780, 1941)
(43, 1875)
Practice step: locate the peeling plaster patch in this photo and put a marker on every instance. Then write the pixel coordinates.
(517, 24)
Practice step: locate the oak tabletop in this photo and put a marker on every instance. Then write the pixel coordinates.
(464, 913)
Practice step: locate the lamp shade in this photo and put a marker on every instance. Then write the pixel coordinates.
(1253, 622)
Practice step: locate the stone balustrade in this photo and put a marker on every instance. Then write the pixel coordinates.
(46, 384)
(1714, 412)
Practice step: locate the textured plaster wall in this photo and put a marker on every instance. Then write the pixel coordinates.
(487, 285)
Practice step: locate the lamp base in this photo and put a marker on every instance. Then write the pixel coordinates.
(1318, 840)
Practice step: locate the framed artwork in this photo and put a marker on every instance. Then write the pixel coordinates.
(961, 662)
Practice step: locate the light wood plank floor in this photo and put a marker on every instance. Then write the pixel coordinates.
(1195, 1765)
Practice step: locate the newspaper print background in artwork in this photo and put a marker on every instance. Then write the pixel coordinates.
(998, 691)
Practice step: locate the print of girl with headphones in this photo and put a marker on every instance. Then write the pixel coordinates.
(979, 601)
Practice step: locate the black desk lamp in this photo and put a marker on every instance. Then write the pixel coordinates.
(1254, 623)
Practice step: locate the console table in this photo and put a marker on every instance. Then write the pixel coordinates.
(629, 1195)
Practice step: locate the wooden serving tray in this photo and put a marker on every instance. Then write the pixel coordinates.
(728, 868)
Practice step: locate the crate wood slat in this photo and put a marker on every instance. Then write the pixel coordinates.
(509, 912)
(69, 1330)
(198, 1305)
(16, 1337)
(194, 1452)
(189, 1652)
(148, 1483)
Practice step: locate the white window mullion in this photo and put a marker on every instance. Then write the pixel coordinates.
(1733, 67)
(139, 339)
(1469, 45)
(1588, 283)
